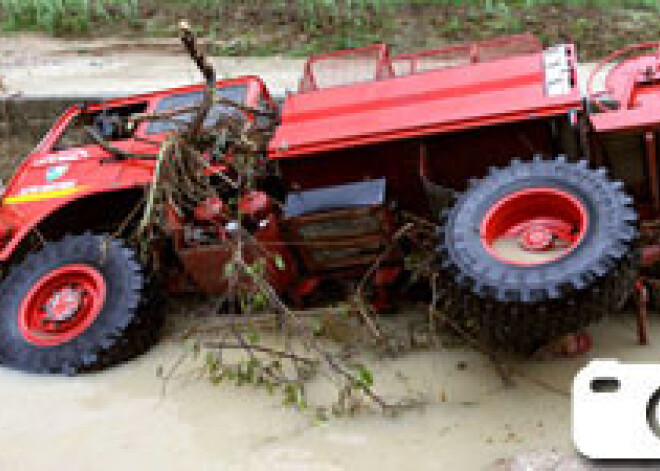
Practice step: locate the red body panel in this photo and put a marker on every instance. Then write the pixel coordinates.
(84, 177)
(32, 195)
(634, 85)
(435, 101)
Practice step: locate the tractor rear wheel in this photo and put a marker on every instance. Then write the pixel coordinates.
(535, 251)
(76, 305)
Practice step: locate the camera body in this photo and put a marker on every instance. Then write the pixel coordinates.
(615, 410)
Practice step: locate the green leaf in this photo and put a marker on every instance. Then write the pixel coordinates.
(279, 262)
(212, 362)
(290, 394)
(259, 301)
(253, 336)
(317, 326)
(366, 376)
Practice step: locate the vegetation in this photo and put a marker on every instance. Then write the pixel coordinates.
(304, 26)
(65, 16)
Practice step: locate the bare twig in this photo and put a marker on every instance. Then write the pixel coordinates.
(190, 43)
(263, 349)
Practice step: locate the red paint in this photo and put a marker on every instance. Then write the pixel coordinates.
(62, 305)
(205, 264)
(306, 287)
(642, 287)
(650, 255)
(576, 345)
(537, 238)
(211, 210)
(255, 205)
(538, 219)
(386, 275)
(97, 172)
(435, 101)
(634, 82)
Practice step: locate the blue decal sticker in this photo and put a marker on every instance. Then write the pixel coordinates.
(58, 171)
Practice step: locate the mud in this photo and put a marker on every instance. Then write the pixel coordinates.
(122, 419)
(33, 65)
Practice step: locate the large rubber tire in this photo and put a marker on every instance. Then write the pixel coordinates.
(520, 308)
(123, 328)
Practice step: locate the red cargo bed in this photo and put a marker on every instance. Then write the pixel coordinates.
(380, 98)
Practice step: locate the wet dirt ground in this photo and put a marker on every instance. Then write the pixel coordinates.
(34, 65)
(120, 419)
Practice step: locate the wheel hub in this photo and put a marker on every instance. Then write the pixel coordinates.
(62, 305)
(536, 238)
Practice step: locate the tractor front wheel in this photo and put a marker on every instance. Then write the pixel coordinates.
(75, 305)
(535, 251)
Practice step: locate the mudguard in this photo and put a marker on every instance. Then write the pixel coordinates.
(47, 182)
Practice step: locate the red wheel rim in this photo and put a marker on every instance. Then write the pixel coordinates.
(534, 226)
(62, 305)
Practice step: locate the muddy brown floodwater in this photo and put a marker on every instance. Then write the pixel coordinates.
(120, 419)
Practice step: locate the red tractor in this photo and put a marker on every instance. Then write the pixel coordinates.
(537, 191)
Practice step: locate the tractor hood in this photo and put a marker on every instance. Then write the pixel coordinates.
(433, 101)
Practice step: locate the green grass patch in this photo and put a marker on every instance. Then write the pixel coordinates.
(59, 17)
(301, 27)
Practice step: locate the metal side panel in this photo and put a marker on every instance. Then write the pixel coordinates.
(350, 195)
(504, 90)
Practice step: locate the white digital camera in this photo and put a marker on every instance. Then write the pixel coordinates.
(615, 410)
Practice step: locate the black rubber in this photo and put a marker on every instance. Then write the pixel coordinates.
(521, 308)
(124, 328)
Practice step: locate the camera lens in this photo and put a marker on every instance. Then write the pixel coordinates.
(653, 412)
(605, 385)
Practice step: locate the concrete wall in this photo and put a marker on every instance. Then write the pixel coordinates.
(23, 122)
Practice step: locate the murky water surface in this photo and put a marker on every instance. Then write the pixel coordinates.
(120, 419)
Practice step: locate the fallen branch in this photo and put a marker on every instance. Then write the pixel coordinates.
(276, 301)
(261, 348)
